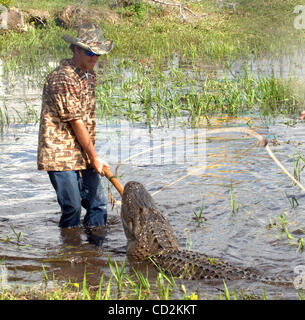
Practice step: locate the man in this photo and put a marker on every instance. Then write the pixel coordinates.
(66, 147)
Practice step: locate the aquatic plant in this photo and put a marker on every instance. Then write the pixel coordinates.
(283, 223)
(199, 216)
(156, 99)
(279, 221)
(18, 236)
(227, 293)
(298, 165)
(140, 285)
(45, 275)
(4, 117)
(233, 201)
(192, 296)
(118, 274)
(292, 200)
(301, 244)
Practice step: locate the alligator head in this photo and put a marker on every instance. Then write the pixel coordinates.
(146, 229)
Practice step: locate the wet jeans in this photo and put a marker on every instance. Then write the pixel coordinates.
(77, 189)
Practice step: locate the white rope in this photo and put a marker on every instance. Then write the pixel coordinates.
(261, 141)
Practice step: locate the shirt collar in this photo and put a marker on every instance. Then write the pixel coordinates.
(78, 70)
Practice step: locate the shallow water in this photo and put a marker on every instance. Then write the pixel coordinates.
(30, 240)
(28, 203)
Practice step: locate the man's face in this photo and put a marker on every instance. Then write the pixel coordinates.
(85, 62)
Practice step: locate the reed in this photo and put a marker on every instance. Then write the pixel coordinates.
(199, 216)
(283, 223)
(294, 203)
(232, 200)
(157, 99)
(118, 274)
(298, 165)
(301, 244)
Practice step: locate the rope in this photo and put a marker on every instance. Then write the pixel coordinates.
(261, 141)
(264, 142)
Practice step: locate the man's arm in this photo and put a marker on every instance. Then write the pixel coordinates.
(84, 139)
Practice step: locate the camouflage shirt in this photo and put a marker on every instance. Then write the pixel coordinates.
(68, 94)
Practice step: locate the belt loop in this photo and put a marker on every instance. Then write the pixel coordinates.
(80, 173)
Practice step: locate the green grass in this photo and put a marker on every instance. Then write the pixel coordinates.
(7, 3)
(134, 285)
(160, 97)
(10, 115)
(148, 31)
(280, 225)
(232, 200)
(51, 6)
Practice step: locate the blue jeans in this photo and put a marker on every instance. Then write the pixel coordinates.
(77, 189)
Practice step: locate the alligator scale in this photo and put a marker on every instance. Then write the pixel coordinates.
(150, 235)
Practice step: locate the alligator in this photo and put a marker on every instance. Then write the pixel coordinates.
(150, 237)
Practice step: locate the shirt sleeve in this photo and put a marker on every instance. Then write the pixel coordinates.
(64, 93)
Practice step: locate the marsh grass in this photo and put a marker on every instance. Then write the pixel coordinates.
(232, 200)
(140, 80)
(4, 118)
(118, 274)
(282, 224)
(135, 286)
(17, 239)
(11, 115)
(152, 31)
(156, 97)
(298, 165)
(294, 203)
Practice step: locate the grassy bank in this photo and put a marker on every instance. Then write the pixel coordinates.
(131, 285)
(211, 32)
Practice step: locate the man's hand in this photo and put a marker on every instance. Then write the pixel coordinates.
(98, 165)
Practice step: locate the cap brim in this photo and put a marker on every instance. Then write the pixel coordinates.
(104, 47)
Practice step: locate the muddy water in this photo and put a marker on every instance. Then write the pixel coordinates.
(28, 203)
(31, 242)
